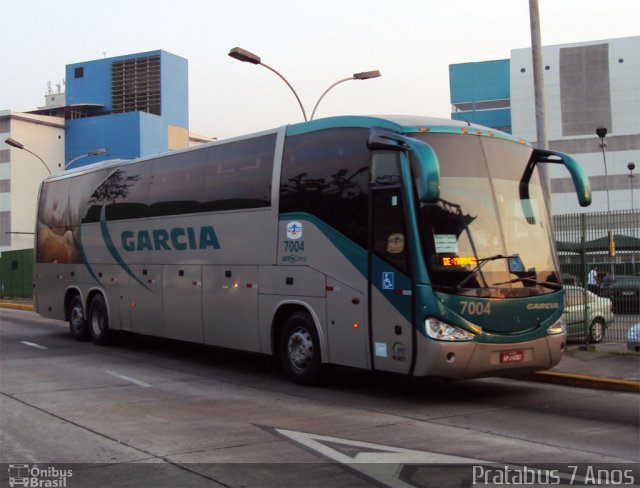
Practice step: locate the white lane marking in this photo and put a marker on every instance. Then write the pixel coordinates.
(33, 344)
(378, 462)
(128, 378)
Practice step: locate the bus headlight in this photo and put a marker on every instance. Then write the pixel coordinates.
(558, 327)
(442, 331)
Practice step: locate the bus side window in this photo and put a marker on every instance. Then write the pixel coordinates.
(177, 184)
(238, 174)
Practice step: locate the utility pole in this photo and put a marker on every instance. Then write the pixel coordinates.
(538, 89)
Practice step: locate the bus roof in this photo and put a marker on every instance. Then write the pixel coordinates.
(400, 123)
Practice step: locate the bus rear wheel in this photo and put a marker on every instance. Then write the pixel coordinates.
(300, 350)
(99, 321)
(78, 324)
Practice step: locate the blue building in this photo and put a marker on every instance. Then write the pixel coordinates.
(480, 93)
(133, 105)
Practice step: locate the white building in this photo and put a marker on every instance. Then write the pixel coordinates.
(22, 172)
(588, 85)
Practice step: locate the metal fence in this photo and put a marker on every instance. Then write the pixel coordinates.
(599, 256)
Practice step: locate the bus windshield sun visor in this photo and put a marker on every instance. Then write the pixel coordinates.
(428, 166)
(580, 179)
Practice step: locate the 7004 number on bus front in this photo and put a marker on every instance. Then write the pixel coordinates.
(475, 308)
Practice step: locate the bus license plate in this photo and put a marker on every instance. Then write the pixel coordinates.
(511, 356)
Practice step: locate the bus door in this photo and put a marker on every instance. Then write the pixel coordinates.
(390, 288)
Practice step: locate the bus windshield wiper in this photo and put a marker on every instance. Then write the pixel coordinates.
(555, 286)
(481, 263)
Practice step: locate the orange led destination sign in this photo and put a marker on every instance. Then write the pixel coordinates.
(460, 261)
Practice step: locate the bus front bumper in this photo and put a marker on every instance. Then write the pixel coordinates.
(460, 360)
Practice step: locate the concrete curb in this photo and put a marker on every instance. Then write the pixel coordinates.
(17, 306)
(584, 381)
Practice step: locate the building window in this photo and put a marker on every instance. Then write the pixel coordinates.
(5, 125)
(135, 85)
(481, 105)
(5, 186)
(5, 228)
(78, 72)
(5, 156)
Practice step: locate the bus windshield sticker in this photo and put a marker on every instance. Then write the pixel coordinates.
(446, 243)
(516, 265)
(294, 230)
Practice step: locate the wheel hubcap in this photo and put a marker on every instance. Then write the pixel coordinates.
(300, 349)
(596, 331)
(96, 322)
(76, 317)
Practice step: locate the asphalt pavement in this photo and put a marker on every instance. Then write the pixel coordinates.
(606, 366)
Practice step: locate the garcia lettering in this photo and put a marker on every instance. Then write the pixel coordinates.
(176, 239)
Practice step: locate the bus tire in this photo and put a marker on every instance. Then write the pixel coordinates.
(300, 350)
(99, 321)
(78, 323)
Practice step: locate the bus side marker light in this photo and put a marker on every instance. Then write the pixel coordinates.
(356, 326)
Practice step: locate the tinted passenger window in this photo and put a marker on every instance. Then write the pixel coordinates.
(239, 174)
(177, 184)
(326, 174)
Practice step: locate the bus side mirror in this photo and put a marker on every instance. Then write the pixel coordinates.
(428, 167)
(580, 179)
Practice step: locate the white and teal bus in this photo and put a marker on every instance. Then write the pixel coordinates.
(404, 244)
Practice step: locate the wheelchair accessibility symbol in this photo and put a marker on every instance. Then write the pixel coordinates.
(388, 279)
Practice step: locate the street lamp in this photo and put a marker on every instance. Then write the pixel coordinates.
(365, 75)
(601, 132)
(248, 57)
(19, 145)
(631, 167)
(95, 152)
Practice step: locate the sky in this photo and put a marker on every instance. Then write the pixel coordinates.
(312, 43)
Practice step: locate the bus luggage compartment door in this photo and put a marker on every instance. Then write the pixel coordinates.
(182, 288)
(230, 307)
(347, 328)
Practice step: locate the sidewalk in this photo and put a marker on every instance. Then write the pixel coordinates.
(605, 366)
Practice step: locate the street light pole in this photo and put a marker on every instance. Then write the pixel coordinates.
(365, 75)
(18, 145)
(601, 132)
(631, 167)
(95, 152)
(248, 57)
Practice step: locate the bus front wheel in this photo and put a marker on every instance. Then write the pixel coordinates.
(99, 321)
(78, 324)
(300, 350)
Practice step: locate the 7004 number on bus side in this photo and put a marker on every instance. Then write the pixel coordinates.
(293, 246)
(475, 308)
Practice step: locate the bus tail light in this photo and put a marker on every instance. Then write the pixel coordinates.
(442, 331)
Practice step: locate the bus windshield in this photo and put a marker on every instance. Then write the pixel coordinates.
(476, 239)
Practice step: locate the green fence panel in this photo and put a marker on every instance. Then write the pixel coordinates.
(16, 273)
(600, 252)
